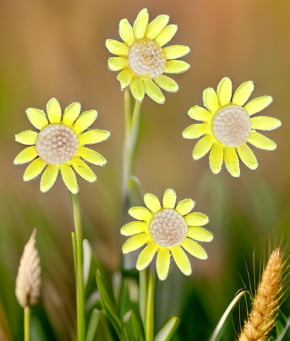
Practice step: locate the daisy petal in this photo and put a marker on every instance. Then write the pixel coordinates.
(140, 24)
(210, 99)
(260, 141)
(185, 206)
(116, 47)
(34, 169)
(69, 178)
(232, 161)
(176, 51)
(162, 263)
(243, 93)
(176, 66)
(137, 89)
(166, 83)
(153, 91)
(94, 136)
(92, 156)
(26, 155)
(48, 178)
(166, 34)
(199, 234)
(195, 131)
(85, 120)
(199, 113)
(224, 91)
(126, 32)
(140, 213)
(264, 123)
(83, 170)
(152, 202)
(134, 227)
(37, 118)
(125, 77)
(156, 26)
(169, 198)
(181, 260)
(71, 113)
(117, 63)
(27, 137)
(134, 243)
(196, 219)
(53, 110)
(216, 158)
(202, 147)
(194, 248)
(258, 104)
(145, 257)
(247, 156)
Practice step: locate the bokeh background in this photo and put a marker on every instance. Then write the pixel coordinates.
(55, 48)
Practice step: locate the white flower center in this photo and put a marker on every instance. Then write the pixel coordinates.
(146, 58)
(231, 125)
(168, 228)
(56, 144)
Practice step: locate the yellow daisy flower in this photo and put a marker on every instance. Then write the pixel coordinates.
(227, 126)
(166, 230)
(59, 145)
(142, 58)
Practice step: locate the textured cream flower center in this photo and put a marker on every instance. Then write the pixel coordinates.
(231, 125)
(168, 228)
(146, 58)
(56, 144)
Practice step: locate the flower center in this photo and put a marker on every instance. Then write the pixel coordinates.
(231, 125)
(168, 228)
(56, 144)
(146, 58)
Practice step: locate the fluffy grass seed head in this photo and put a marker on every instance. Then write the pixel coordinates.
(59, 145)
(142, 59)
(166, 229)
(28, 278)
(228, 124)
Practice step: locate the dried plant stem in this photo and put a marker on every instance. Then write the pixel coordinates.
(26, 323)
(261, 319)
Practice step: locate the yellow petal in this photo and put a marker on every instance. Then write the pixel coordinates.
(34, 169)
(71, 113)
(264, 123)
(166, 83)
(199, 113)
(140, 213)
(195, 131)
(126, 32)
(116, 47)
(69, 178)
(37, 118)
(26, 155)
(224, 91)
(260, 141)
(117, 63)
(85, 120)
(199, 234)
(175, 51)
(166, 34)
(185, 206)
(53, 110)
(83, 170)
(93, 136)
(145, 257)
(92, 156)
(202, 147)
(247, 156)
(210, 99)
(196, 219)
(152, 202)
(48, 178)
(258, 104)
(162, 263)
(232, 161)
(125, 77)
(134, 227)
(169, 198)
(134, 242)
(137, 89)
(194, 248)
(27, 137)
(243, 93)
(181, 260)
(140, 24)
(153, 91)
(156, 26)
(216, 158)
(176, 66)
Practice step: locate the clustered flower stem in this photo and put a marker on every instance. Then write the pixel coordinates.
(26, 323)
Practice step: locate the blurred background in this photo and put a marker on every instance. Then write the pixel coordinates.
(55, 48)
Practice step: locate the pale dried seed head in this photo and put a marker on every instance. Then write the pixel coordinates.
(28, 277)
(146, 58)
(168, 228)
(231, 125)
(56, 144)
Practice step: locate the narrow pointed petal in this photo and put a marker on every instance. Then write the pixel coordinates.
(37, 118)
(176, 66)
(196, 219)
(156, 26)
(264, 123)
(48, 178)
(216, 158)
(145, 257)
(140, 24)
(134, 227)
(243, 93)
(137, 89)
(152, 202)
(71, 113)
(232, 161)
(27, 137)
(202, 147)
(185, 206)
(85, 120)
(135, 242)
(83, 170)
(195, 131)
(34, 169)
(199, 234)
(166, 34)
(117, 63)
(247, 156)
(125, 77)
(53, 110)
(169, 198)
(26, 155)
(69, 178)
(176, 51)
(210, 99)
(260, 141)
(126, 32)
(166, 83)
(116, 47)
(194, 248)
(224, 91)
(93, 136)
(258, 104)
(92, 156)
(153, 91)
(199, 113)
(140, 213)
(181, 260)
(162, 263)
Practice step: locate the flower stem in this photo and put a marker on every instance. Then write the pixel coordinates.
(149, 315)
(80, 292)
(26, 323)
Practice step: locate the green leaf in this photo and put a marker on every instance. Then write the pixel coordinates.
(93, 325)
(135, 191)
(132, 327)
(167, 331)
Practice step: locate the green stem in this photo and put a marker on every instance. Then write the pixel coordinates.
(80, 292)
(149, 317)
(26, 323)
(143, 283)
